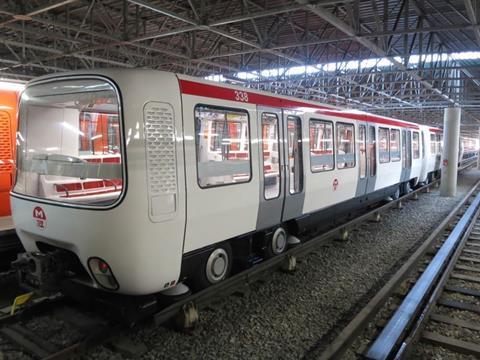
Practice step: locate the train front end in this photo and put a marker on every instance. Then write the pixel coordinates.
(70, 203)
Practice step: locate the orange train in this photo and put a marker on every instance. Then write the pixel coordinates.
(8, 129)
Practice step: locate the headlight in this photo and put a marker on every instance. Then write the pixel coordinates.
(102, 273)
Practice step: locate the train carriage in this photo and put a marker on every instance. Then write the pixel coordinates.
(137, 180)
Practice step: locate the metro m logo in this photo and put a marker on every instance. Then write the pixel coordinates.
(40, 217)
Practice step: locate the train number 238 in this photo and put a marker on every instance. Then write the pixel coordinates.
(241, 96)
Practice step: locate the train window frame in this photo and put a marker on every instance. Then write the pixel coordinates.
(310, 149)
(123, 148)
(399, 142)
(279, 150)
(336, 148)
(249, 127)
(380, 160)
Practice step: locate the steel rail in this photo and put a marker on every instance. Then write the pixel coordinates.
(348, 335)
(423, 317)
(386, 343)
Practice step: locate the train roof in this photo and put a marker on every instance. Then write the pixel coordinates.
(200, 87)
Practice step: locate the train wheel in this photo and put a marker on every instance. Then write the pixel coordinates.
(216, 267)
(278, 243)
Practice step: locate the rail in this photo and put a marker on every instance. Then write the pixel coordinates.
(347, 337)
(392, 334)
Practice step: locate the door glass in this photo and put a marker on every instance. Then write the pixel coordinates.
(423, 146)
(271, 160)
(409, 149)
(395, 144)
(416, 145)
(295, 154)
(404, 149)
(372, 151)
(362, 151)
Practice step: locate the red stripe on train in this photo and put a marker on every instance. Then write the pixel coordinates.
(218, 92)
(188, 87)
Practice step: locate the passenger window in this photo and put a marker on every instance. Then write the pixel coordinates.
(394, 145)
(295, 154)
(321, 145)
(345, 146)
(223, 146)
(384, 145)
(416, 145)
(271, 159)
(433, 144)
(362, 138)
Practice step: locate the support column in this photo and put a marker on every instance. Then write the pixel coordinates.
(478, 150)
(451, 140)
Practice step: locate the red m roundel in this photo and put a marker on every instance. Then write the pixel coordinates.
(39, 214)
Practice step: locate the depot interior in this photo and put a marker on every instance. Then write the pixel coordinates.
(411, 60)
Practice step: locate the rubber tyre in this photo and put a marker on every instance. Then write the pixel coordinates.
(269, 253)
(200, 279)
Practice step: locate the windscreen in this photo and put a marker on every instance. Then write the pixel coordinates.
(69, 142)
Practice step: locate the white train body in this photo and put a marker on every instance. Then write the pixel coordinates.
(189, 164)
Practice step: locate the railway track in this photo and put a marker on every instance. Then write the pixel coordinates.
(433, 298)
(184, 313)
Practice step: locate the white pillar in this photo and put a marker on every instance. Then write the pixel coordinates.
(451, 140)
(478, 154)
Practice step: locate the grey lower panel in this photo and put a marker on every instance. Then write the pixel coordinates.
(293, 206)
(371, 184)
(269, 212)
(405, 176)
(361, 187)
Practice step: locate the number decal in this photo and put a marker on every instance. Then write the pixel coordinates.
(241, 96)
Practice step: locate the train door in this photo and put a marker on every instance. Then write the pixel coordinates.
(371, 158)
(281, 167)
(293, 169)
(406, 155)
(272, 162)
(362, 159)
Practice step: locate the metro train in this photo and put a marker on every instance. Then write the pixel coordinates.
(141, 182)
